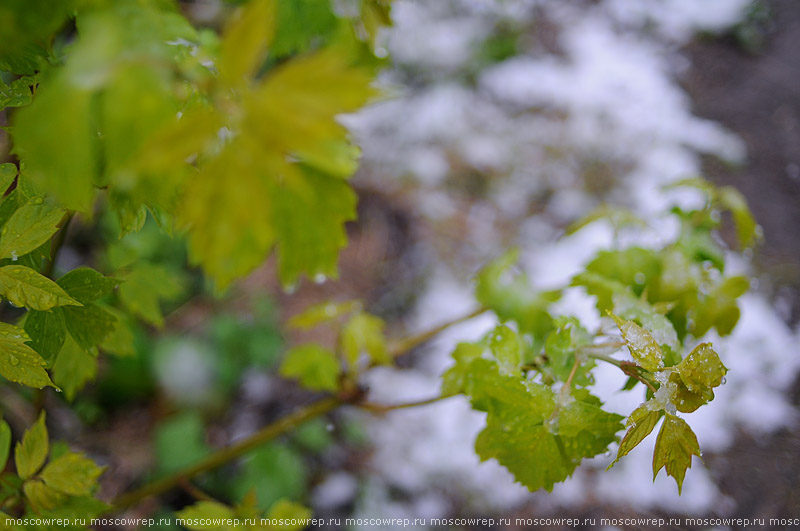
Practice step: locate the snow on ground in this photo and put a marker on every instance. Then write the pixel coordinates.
(603, 92)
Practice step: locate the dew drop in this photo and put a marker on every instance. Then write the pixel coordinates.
(724, 381)
(607, 454)
(14, 256)
(639, 278)
(319, 278)
(38, 201)
(57, 390)
(13, 360)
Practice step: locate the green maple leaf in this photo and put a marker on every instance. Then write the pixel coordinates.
(528, 431)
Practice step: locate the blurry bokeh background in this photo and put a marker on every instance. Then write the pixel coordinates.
(504, 121)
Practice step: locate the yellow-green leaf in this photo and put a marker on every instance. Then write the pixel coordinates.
(643, 347)
(42, 497)
(323, 312)
(145, 287)
(56, 141)
(19, 362)
(23, 286)
(31, 452)
(245, 40)
(29, 227)
(746, 228)
(214, 514)
(73, 368)
(72, 474)
(702, 370)
(640, 424)
(288, 511)
(363, 334)
(315, 367)
(5, 443)
(8, 172)
(675, 446)
(507, 349)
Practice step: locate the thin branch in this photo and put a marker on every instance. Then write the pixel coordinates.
(224, 455)
(385, 408)
(279, 427)
(406, 345)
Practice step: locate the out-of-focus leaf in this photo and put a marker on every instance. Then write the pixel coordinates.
(5, 443)
(511, 297)
(746, 228)
(207, 516)
(41, 496)
(287, 511)
(323, 312)
(506, 347)
(180, 442)
(245, 40)
(363, 334)
(31, 452)
(73, 368)
(145, 287)
(73, 474)
(314, 366)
